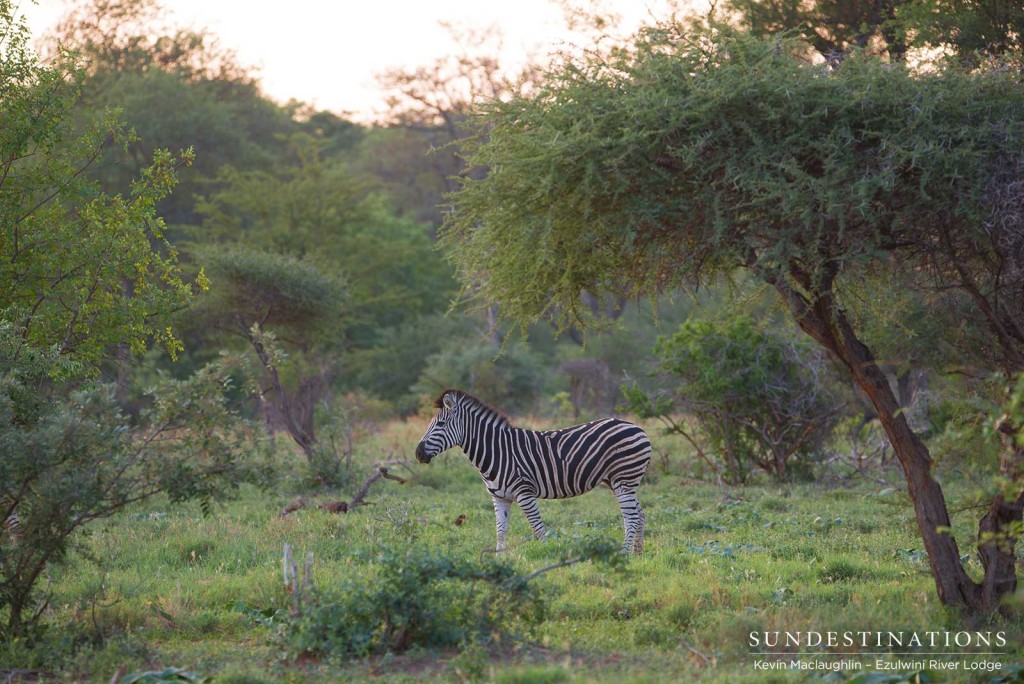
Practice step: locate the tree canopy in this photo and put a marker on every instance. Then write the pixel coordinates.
(686, 157)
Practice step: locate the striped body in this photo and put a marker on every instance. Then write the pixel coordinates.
(525, 465)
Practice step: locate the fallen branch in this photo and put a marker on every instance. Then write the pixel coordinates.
(365, 489)
(339, 507)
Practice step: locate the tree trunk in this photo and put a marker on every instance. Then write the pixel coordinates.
(954, 586)
(997, 550)
(305, 439)
(823, 319)
(995, 546)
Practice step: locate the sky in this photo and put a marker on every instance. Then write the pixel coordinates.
(327, 53)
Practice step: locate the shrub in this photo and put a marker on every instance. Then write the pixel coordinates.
(417, 598)
(758, 398)
(420, 597)
(509, 378)
(73, 457)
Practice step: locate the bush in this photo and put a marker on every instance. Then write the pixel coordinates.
(758, 398)
(510, 379)
(72, 457)
(417, 598)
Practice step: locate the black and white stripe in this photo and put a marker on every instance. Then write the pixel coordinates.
(525, 465)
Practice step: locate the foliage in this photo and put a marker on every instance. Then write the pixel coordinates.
(971, 32)
(759, 398)
(683, 157)
(398, 364)
(413, 166)
(832, 27)
(265, 293)
(272, 290)
(417, 598)
(136, 61)
(79, 270)
(74, 458)
(1013, 414)
(132, 36)
(317, 259)
(224, 127)
(975, 30)
(84, 273)
(324, 212)
(430, 105)
(510, 377)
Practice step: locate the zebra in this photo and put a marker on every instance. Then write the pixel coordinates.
(525, 465)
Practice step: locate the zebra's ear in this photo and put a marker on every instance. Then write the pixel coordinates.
(449, 401)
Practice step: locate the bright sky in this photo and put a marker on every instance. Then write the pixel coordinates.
(327, 53)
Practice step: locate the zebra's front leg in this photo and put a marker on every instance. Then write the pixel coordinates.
(501, 510)
(528, 503)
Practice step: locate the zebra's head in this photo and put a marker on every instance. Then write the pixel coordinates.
(444, 431)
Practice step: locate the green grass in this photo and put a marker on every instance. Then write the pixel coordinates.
(171, 588)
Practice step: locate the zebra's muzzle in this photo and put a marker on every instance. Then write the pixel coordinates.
(421, 453)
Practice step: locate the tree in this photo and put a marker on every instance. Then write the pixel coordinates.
(82, 272)
(135, 60)
(132, 36)
(972, 31)
(428, 108)
(71, 458)
(263, 293)
(313, 255)
(832, 27)
(687, 156)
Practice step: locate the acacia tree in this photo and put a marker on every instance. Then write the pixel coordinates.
(690, 155)
(264, 295)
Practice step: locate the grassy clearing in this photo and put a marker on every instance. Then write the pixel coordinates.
(172, 588)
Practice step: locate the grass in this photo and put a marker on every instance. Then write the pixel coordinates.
(171, 588)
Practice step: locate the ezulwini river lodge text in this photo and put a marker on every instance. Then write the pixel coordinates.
(881, 665)
(765, 642)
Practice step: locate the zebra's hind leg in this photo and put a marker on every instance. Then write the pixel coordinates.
(638, 540)
(633, 519)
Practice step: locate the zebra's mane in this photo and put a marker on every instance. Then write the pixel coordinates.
(472, 401)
